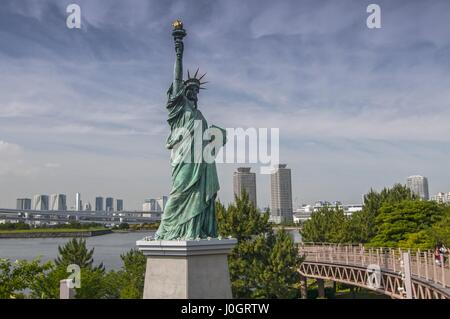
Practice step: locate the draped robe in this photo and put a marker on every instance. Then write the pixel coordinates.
(190, 210)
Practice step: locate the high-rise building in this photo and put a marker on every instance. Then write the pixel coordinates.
(441, 198)
(161, 203)
(418, 186)
(23, 203)
(244, 180)
(119, 205)
(78, 203)
(98, 203)
(40, 202)
(149, 205)
(281, 195)
(87, 207)
(58, 202)
(109, 204)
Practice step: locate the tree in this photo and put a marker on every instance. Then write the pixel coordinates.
(18, 276)
(440, 231)
(407, 224)
(92, 278)
(263, 264)
(242, 220)
(128, 283)
(362, 226)
(76, 252)
(327, 225)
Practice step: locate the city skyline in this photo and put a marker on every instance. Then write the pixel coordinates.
(99, 201)
(355, 107)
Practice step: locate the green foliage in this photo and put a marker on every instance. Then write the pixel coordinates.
(20, 275)
(127, 283)
(124, 226)
(263, 264)
(91, 279)
(76, 252)
(14, 226)
(440, 231)
(407, 224)
(363, 224)
(144, 226)
(241, 220)
(327, 225)
(393, 217)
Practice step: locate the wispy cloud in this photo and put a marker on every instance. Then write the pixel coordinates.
(355, 106)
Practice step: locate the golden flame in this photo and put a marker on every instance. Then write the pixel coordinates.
(177, 24)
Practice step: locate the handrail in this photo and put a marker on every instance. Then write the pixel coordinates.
(424, 265)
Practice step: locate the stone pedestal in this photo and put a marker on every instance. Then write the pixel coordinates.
(187, 269)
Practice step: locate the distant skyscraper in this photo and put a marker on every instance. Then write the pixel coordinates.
(78, 203)
(40, 202)
(109, 204)
(244, 180)
(87, 207)
(23, 203)
(119, 205)
(149, 205)
(418, 186)
(98, 203)
(281, 195)
(58, 202)
(161, 203)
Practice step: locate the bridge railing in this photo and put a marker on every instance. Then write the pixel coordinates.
(424, 265)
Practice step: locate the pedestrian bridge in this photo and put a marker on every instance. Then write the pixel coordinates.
(400, 274)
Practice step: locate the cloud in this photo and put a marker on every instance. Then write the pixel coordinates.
(52, 165)
(13, 161)
(372, 105)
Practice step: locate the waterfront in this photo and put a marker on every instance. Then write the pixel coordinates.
(108, 248)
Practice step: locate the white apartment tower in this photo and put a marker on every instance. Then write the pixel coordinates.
(78, 204)
(418, 186)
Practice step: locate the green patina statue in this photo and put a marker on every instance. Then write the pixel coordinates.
(190, 210)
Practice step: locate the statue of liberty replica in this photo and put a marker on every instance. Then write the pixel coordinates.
(186, 259)
(190, 209)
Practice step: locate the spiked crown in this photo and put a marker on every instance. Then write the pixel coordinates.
(194, 81)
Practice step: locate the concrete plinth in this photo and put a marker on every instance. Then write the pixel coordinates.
(187, 269)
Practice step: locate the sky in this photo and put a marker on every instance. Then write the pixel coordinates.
(83, 110)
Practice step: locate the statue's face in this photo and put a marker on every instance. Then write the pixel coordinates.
(192, 93)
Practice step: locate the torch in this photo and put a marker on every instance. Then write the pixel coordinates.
(178, 34)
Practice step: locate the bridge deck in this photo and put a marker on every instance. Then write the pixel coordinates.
(428, 275)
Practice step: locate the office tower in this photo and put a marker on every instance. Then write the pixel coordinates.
(109, 204)
(119, 205)
(98, 204)
(87, 207)
(23, 203)
(78, 203)
(149, 205)
(281, 195)
(58, 202)
(40, 202)
(244, 180)
(161, 204)
(418, 186)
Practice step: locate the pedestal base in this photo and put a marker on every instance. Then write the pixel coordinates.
(187, 269)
